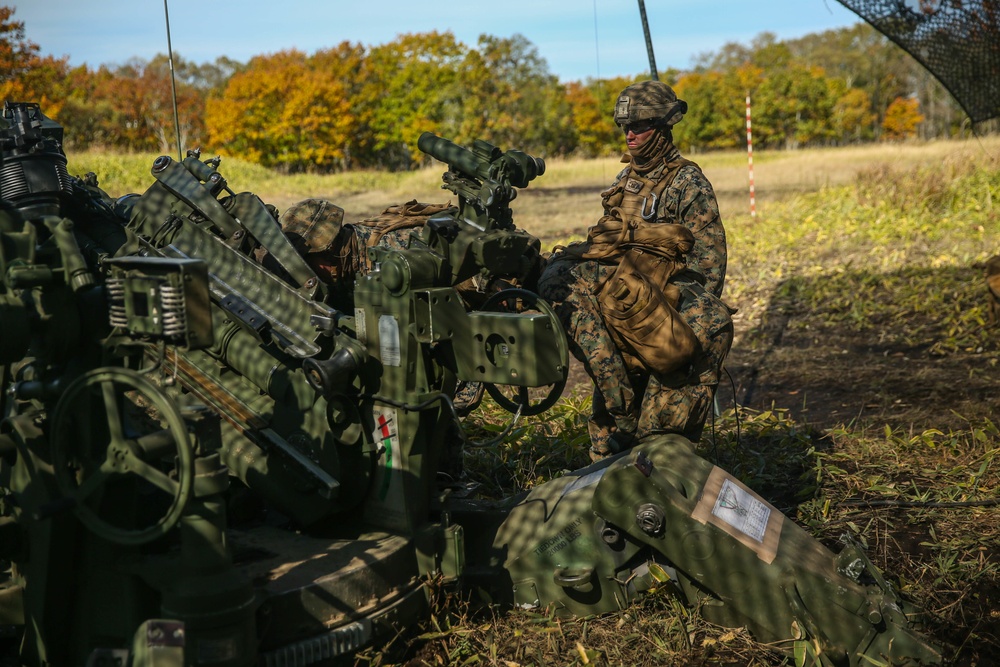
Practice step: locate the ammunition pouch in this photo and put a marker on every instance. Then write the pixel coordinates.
(638, 303)
(640, 311)
(616, 233)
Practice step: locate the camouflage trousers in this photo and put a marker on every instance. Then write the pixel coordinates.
(628, 404)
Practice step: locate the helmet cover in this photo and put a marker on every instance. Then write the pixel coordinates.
(312, 224)
(649, 100)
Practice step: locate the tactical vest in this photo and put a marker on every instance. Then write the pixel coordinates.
(639, 197)
(637, 302)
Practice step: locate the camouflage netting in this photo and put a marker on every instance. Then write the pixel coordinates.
(958, 41)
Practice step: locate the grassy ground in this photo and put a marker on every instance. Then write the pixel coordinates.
(563, 201)
(863, 393)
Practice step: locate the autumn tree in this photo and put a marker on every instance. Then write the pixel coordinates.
(16, 52)
(156, 94)
(24, 75)
(852, 115)
(134, 103)
(902, 118)
(315, 122)
(716, 111)
(281, 112)
(242, 120)
(511, 99)
(792, 104)
(863, 59)
(420, 90)
(591, 108)
(593, 131)
(88, 120)
(348, 65)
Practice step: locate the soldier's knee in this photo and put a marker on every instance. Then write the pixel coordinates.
(552, 289)
(556, 282)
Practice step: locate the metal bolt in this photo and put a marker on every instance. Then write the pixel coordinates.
(610, 534)
(161, 163)
(651, 519)
(874, 615)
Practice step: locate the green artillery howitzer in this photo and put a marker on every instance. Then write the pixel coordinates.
(204, 462)
(479, 238)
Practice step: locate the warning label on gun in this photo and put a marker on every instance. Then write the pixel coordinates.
(360, 327)
(741, 511)
(725, 502)
(388, 339)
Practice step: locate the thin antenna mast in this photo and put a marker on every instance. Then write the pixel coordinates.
(600, 83)
(173, 82)
(649, 42)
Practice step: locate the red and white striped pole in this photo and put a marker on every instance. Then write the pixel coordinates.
(753, 204)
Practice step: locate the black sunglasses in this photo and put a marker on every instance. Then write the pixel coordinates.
(639, 126)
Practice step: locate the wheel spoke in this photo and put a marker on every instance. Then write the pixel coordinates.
(152, 475)
(114, 416)
(522, 396)
(84, 460)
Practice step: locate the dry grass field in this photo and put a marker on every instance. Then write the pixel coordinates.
(563, 201)
(862, 393)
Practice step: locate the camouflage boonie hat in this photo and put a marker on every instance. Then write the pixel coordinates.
(312, 224)
(649, 100)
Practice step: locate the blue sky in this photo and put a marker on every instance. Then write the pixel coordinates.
(563, 31)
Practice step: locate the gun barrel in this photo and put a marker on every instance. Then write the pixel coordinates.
(452, 154)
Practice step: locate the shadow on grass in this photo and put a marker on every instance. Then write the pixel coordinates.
(876, 387)
(908, 349)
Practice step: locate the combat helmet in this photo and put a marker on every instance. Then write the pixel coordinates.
(649, 100)
(312, 225)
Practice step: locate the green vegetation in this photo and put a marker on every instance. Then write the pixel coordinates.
(123, 173)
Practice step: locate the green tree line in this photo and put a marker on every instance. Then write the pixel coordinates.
(354, 107)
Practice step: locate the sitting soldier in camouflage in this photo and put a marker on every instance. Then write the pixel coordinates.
(678, 273)
(337, 251)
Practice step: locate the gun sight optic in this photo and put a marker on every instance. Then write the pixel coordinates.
(484, 161)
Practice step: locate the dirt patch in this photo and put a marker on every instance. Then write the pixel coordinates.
(844, 381)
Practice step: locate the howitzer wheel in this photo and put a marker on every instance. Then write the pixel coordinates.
(88, 455)
(529, 400)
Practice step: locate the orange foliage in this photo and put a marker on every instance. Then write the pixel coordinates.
(902, 118)
(281, 112)
(24, 75)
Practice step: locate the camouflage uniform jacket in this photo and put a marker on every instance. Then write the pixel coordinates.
(687, 199)
(629, 404)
